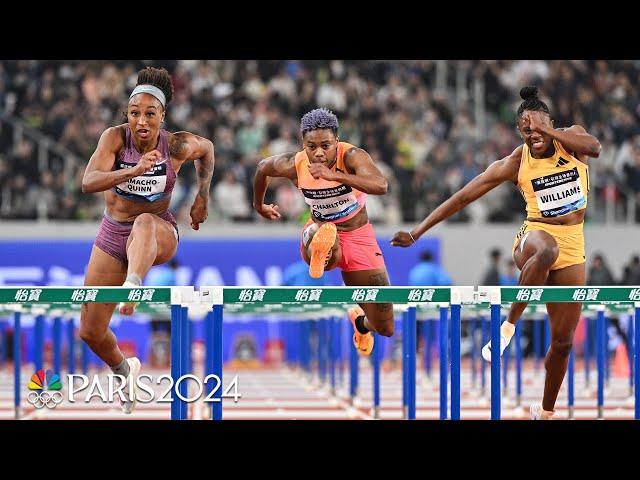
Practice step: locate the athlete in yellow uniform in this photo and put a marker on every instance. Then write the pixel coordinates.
(550, 169)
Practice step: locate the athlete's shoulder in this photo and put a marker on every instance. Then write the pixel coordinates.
(178, 143)
(517, 152)
(349, 148)
(298, 157)
(115, 136)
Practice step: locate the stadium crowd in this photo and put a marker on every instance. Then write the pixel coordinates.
(421, 128)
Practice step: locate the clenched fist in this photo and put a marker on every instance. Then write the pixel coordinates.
(320, 170)
(147, 162)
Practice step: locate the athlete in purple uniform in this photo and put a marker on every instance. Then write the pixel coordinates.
(135, 164)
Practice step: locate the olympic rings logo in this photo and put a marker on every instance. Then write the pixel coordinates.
(45, 399)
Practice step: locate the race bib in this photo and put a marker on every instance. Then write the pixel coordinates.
(329, 204)
(149, 186)
(559, 194)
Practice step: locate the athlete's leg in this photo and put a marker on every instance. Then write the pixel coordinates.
(152, 241)
(103, 269)
(563, 318)
(535, 254)
(378, 316)
(316, 253)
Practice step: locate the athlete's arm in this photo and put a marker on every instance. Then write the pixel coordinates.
(498, 172)
(186, 146)
(98, 176)
(366, 177)
(575, 138)
(282, 165)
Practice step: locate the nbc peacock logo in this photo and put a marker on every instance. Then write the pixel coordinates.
(45, 389)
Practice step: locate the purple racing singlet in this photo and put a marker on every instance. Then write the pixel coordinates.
(152, 185)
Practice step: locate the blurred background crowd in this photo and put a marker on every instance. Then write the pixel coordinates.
(431, 126)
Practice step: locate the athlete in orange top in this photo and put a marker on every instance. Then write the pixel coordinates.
(550, 170)
(335, 178)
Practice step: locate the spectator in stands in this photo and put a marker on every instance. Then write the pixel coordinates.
(599, 273)
(230, 198)
(631, 275)
(492, 275)
(510, 277)
(397, 108)
(428, 272)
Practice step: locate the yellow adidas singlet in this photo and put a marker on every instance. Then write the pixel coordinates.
(554, 186)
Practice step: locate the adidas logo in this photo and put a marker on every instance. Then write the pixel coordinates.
(561, 162)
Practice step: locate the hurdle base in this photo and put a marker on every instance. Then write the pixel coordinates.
(571, 416)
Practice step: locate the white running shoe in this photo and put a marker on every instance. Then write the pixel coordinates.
(486, 350)
(128, 308)
(134, 371)
(537, 413)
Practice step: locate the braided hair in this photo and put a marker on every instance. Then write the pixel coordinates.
(531, 102)
(158, 77)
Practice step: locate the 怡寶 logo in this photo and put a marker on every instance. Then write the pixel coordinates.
(45, 389)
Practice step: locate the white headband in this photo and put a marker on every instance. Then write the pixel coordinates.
(151, 90)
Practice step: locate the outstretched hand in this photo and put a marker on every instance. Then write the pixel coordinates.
(270, 212)
(199, 212)
(402, 239)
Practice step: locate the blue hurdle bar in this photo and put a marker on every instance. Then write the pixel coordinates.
(426, 333)
(57, 344)
(570, 384)
(518, 355)
(630, 342)
(176, 360)
(208, 354)
(495, 361)
(411, 363)
(483, 364)
(3, 343)
(39, 343)
(444, 336)
(376, 375)
(218, 321)
(587, 350)
(405, 366)
(600, 351)
(505, 368)
(537, 343)
(607, 356)
(353, 371)
(636, 351)
(333, 352)
(455, 361)
(17, 363)
(184, 361)
(71, 347)
(474, 352)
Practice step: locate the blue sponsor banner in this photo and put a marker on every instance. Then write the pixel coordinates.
(226, 261)
(241, 261)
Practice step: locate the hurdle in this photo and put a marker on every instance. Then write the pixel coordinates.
(302, 305)
(602, 297)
